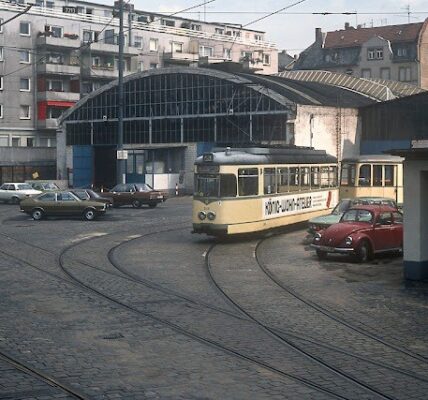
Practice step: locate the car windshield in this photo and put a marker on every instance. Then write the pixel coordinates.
(24, 186)
(357, 216)
(341, 207)
(50, 186)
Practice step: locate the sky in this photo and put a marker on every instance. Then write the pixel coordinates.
(294, 32)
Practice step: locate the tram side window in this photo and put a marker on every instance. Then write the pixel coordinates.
(364, 179)
(328, 176)
(315, 177)
(389, 175)
(269, 181)
(227, 185)
(305, 178)
(248, 181)
(348, 175)
(377, 175)
(282, 179)
(294, 179)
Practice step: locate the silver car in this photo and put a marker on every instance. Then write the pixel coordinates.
(15, 192)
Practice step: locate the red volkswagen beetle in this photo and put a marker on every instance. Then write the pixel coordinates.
(363, 231)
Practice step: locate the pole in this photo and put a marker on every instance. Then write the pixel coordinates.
(120, 162)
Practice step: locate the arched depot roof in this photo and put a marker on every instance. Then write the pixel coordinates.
(176, 105)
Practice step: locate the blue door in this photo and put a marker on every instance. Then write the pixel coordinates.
(82, 166)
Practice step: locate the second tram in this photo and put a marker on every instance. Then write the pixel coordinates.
(243, 190)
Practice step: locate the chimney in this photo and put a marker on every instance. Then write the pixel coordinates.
(318, 36)
(347, 26)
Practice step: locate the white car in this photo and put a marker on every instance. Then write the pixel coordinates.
(15, 192)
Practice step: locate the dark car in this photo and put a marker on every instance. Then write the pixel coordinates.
(324, 221)
(61, 203)
(90, 195)
(44, 186)
(135, 194)
(363, 231)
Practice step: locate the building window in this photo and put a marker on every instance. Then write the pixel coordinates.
(153, 45)
(40, 3)
(177, 47)
(30, 142)
(206, 51)
(16, 141)
(90, 36)
(375, 54)
(168, 22)
(25, 29)
(1, 54)
(258, 37)
(143, 18)
(385, 73)
(138, 42)
(153, 66)
(50, 4)
(24, 57)
(55, 31)
(55, 85)
(1, 83)
(366, 73)
(1, 110)
(141, 65)
(24, 85)
(402, 52)
(195, 27)
(54, 113)
(246, 55)
(1, 25)
(349, 72)
(226, 54)
(55, 58)
(404, 74)
(25, 112)
(266, 59)
(219, 31)
(4, 141)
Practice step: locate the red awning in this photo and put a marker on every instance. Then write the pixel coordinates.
(66, 104)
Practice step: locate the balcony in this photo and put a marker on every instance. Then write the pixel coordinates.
(58, 96)
(50, 123)
(66, 42)
(180, 58)
(58, 69)
(102, 47)
(100, 71)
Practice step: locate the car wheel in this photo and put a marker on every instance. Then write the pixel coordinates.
(153, 205)
(37, 214)
(89, 214)
(14, 200)
(136, 204)
(363, 252)
(321, 254)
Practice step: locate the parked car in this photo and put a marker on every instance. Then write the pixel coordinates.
(135, 194)
(363, 231)
(62, 203)
(324, 221)
(15, 192)
(90, 195)
(44, 186)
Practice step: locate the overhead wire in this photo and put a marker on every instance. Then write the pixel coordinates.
(17, 15)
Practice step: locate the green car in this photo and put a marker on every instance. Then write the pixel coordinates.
(318, 223)
(62, 203)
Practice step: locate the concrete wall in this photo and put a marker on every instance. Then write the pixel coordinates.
(320, 123)
(415, 219)
(26, 155)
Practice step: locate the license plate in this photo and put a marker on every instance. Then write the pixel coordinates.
(326, 248)
(160, 197)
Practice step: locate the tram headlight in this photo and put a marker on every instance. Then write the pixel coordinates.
(202, 215)
(211, 216)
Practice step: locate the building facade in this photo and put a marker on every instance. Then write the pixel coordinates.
(394, 52)
(61, 50)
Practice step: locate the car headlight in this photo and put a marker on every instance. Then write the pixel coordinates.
(202, 215)
(211, 216)
(317, 237)
(348, 241)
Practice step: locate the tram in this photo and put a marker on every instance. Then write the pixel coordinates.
(377, 175)
(243, 190)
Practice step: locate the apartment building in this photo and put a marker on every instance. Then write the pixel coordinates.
(60, 50)
(391, 52)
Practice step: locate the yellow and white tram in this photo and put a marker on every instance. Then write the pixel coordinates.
(253, 189)
(376, 175)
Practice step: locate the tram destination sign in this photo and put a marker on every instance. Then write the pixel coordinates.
(281, 206)
(208, 169)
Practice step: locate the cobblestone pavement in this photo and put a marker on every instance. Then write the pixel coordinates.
(158, 328)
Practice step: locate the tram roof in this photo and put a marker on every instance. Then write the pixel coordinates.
(373, 158)
(265, 155)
